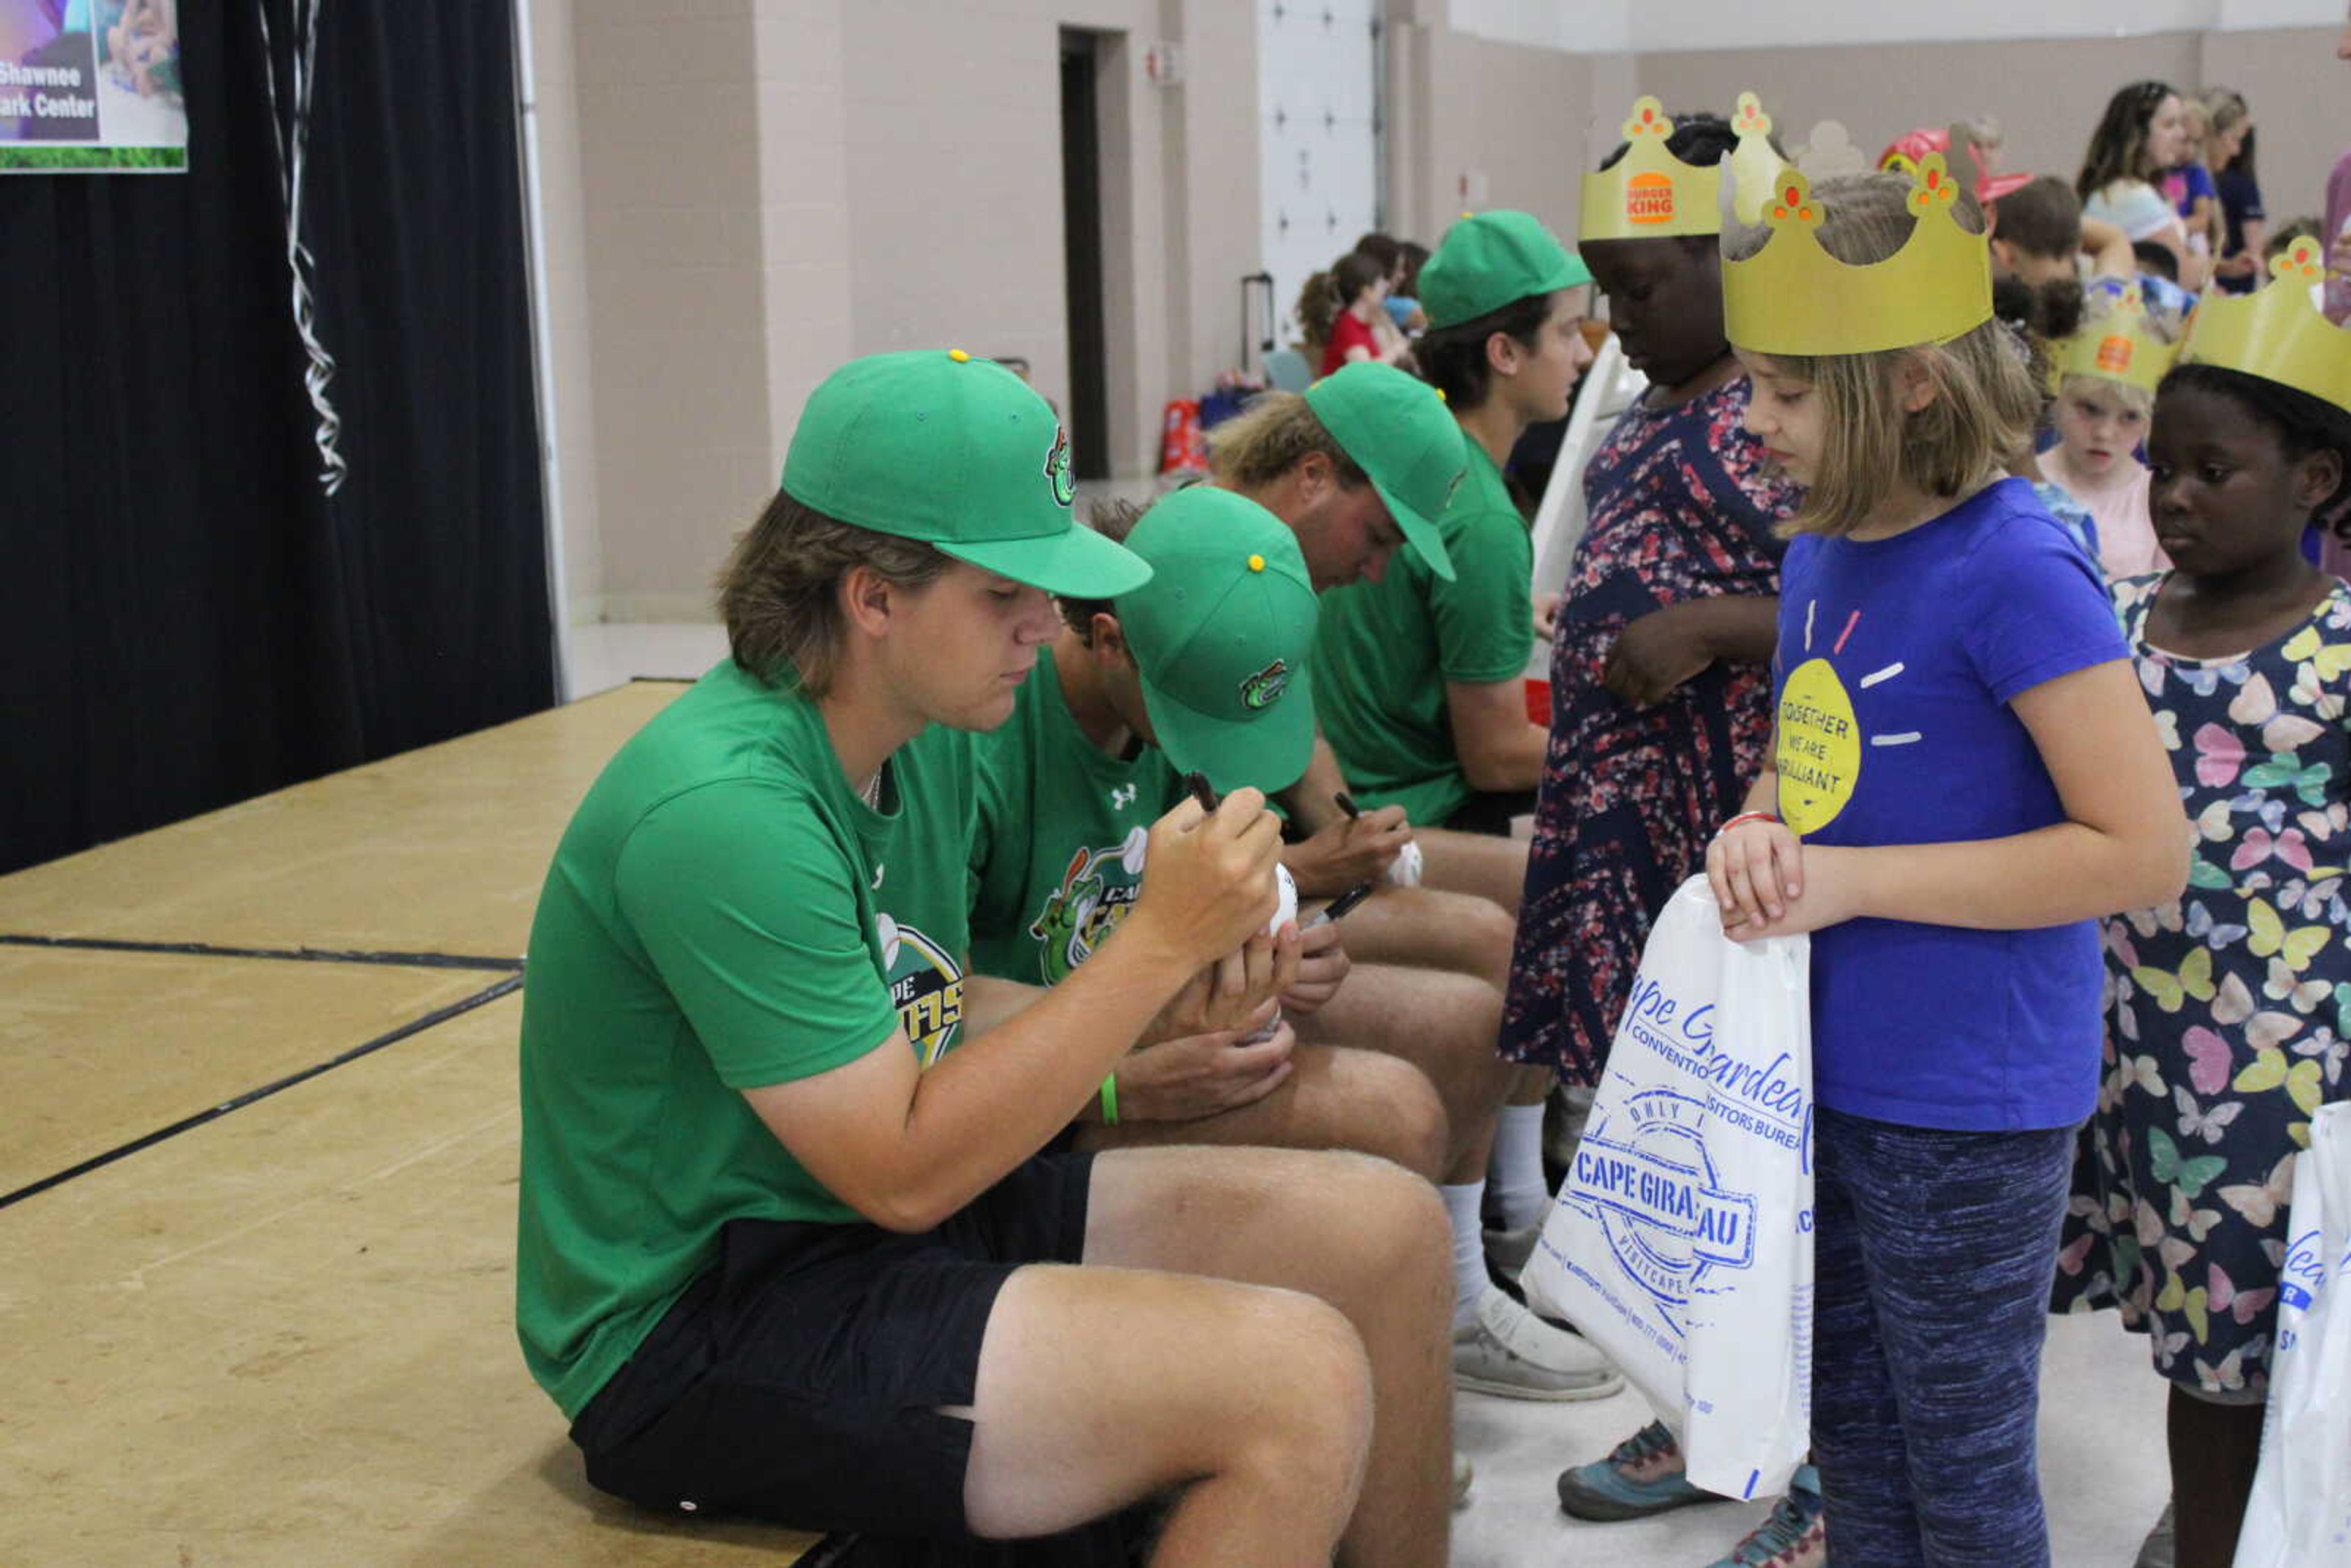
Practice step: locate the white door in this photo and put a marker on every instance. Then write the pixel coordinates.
(1318, 91)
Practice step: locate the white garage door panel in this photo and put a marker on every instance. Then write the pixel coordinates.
(1317, 107)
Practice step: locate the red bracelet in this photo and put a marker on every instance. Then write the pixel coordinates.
(1746, 817)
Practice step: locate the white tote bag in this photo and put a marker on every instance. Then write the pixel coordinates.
(1681, 1239)
(2300, 1515)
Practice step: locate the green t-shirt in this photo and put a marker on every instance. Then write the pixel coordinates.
(1383, 651)
(1057, 855)
(723, 912)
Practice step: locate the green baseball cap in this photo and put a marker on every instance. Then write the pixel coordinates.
(1220, 636)
(1397, 429)
(956, 451)
(1489, 260)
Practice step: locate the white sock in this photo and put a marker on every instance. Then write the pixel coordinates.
(1517, 1166)
(1470, 1281)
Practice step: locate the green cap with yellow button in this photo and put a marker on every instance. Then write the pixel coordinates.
(959, 453)
(1220, 636)
(1397, 429)
(1489, 260)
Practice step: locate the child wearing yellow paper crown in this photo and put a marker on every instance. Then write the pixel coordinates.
(2225, 1026)
(1963, 779)
(2108, 372)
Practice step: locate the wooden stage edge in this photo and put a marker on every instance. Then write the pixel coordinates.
(437, 852)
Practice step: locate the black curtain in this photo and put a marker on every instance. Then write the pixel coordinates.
(185, 617)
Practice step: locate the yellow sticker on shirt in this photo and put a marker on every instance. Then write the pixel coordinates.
(1819, 753)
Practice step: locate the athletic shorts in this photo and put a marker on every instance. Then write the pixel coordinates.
(1489, 811)
(800, 1379)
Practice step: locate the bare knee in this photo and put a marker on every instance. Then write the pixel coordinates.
(1396, 1228)
(1489, 934)
(1400, 1116)
(1464, 1016)
(1310, 1420)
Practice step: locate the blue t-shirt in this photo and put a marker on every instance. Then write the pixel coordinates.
(1897, 660)
(2185, 186)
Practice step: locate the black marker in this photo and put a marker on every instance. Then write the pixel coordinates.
(1342, 905)
(1347, 804)
(1202, 791)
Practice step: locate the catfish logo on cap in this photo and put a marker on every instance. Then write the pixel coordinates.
(1059, 470)
(1264, 689)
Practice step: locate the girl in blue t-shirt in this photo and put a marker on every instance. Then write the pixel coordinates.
(2225, 1025)
(1963, 779)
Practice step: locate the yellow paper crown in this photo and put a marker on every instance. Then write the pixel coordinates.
(1794, 297)
(1754, 164)
(2120, 346)
(2277, 333)
(1649, 194)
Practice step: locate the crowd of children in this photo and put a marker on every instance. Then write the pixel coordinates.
(947, 1089)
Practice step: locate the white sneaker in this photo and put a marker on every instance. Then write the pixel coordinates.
(1464, 1475)
(1506, 1350)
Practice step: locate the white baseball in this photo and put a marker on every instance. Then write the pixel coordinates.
(1285, 888)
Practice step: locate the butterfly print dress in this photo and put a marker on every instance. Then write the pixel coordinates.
(2227, 1011)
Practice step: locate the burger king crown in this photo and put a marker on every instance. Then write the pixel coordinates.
(1794, 297)
(1649, 194)
(2120, 346)
(2277, 333)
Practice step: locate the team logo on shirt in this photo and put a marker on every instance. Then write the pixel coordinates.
(925, 984)
(1264, 689)
(1058, 470)
(1098, 888)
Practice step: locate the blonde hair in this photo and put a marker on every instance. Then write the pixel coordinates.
(1271, 436)
(2160, 326)
(2130, 399)
(1984, 405)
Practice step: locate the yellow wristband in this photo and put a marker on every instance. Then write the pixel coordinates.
(1110, 1100)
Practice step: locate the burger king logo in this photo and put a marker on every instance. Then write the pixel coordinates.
(1649, 199)
(2114, 355)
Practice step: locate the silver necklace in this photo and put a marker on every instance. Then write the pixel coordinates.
(870, 791)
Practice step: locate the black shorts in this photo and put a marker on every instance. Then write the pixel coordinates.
(1489, 811)
(800, 1379)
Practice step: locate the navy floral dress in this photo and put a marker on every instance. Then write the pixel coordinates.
(1680, 509)
(2227, 1011)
